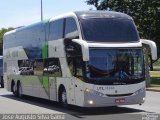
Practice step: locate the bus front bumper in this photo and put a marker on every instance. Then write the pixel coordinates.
(94, 100)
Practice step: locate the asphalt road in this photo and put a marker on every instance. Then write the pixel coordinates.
(30, 105)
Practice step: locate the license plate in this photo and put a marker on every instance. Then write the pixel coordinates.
(120, 100)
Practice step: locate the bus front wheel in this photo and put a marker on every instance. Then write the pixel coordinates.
(63, 97)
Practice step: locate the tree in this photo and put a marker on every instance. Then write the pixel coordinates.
(2, 31)
(146, 50)
(146, 14)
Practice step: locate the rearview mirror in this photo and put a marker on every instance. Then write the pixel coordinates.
(72, 35)
(152, 46)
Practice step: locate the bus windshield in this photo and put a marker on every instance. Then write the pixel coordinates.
(109, 30)
(115, 66)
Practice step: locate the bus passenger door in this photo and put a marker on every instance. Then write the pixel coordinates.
(74, 60)
(76, 83)
(71, 80)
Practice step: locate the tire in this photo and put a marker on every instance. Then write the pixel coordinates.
(19, 90)
(63, 97)
(13, 88)
(2, 83)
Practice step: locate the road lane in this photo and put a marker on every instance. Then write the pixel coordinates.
(11, 104)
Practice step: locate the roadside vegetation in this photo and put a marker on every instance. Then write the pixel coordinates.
(155, 78)
(2, 32)
(155, 75)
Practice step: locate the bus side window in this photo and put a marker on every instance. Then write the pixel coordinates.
(52, 67)
(71, 30)
(38, 67)
(56, 29)
(25, 67)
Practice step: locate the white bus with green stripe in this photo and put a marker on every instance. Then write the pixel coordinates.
(87, 59)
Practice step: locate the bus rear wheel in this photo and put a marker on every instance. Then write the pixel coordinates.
(2, 83)
(19, 90)
(13, 87)
(63, 97)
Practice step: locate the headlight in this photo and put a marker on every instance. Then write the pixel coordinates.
(90, 102)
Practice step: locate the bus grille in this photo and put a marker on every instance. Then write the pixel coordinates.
(118, 95)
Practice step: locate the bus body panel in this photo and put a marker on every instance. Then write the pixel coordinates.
(53, 89)
(66, 82)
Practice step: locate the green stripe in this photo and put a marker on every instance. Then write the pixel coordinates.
(45, 83)
(45, 50)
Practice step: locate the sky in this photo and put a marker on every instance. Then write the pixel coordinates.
(15, 13)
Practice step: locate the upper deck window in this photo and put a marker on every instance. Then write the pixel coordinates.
(109, 30)
(56, 30)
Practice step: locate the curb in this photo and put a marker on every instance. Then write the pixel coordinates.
(154, 90)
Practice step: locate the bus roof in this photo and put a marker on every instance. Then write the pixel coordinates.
(26, 27)
(101, 14)
(79, 14)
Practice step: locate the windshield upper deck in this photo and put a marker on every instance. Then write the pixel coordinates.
(107, 26)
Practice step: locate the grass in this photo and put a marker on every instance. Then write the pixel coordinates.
(155, 79)
(156, 68)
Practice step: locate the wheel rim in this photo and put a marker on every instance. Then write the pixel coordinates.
(64, 98)
(20, 90)
(14, 88)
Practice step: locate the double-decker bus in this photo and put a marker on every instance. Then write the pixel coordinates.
(84, 58)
